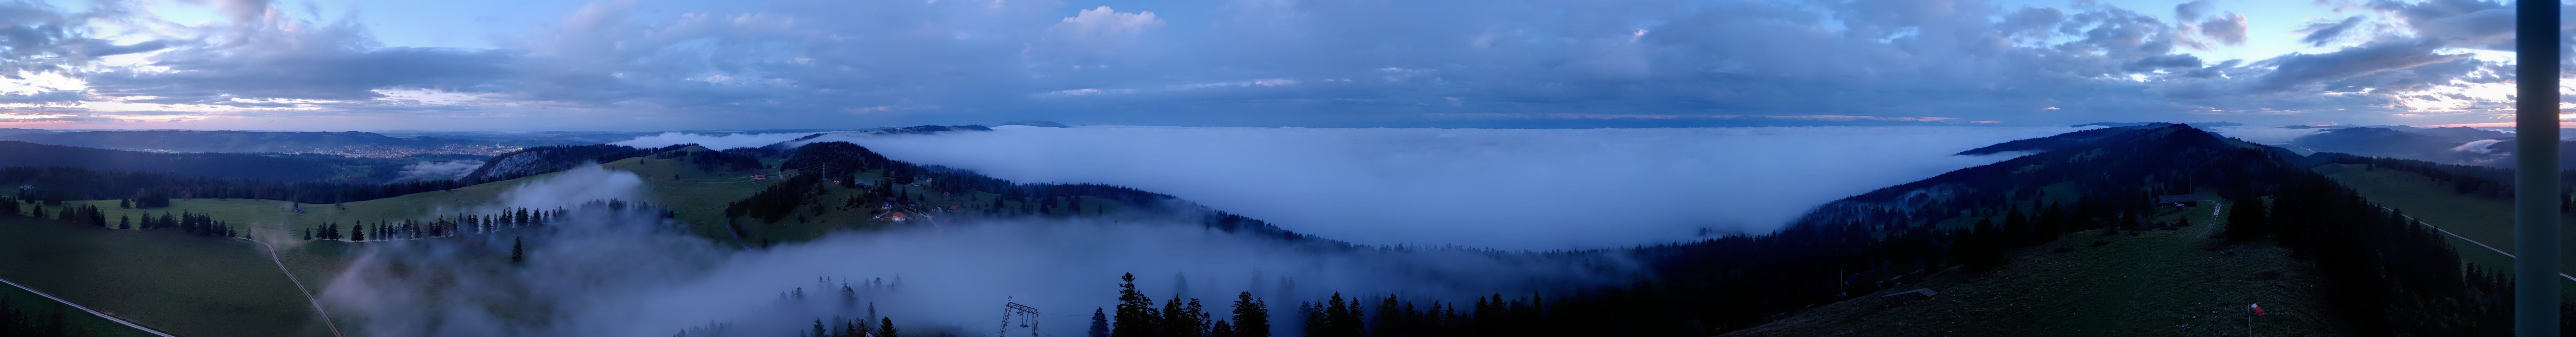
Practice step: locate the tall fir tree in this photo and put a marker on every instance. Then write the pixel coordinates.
(1099, 322)
(885, 328)
(1251, 317)
(1136, 316)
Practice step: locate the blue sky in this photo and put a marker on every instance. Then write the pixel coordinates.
(663, 65)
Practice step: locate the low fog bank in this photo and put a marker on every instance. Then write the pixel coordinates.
(610, 274)
(719, 142)
(1495, 188)
(438, 170)
(2264, 134)
(602, 272)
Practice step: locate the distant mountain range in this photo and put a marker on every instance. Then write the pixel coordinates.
(10, 131)
(2129, 124)
(353, 144)
(2453, 145)
(213, 165)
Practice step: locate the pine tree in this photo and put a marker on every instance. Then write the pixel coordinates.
(885, 328)
(1251, 317)
(1099, 323)
(519, 254)
(124, 222)
(1339, 319)
(1176, 321)
(1136, 317)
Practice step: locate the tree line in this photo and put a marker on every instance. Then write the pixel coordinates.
(55, 184)
(217, 165)
(51, 323)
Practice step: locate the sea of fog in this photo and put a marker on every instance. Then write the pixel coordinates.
(609, 272)
(1490, 188)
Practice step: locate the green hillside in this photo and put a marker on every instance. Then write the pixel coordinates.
(698, 195)
(2489, 221)
(27, 303)
(2157, 282)
(159, 278)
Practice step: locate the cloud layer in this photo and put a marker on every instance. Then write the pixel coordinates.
(632, 65)
(1497, 188)
(629, 273)
(712, 141)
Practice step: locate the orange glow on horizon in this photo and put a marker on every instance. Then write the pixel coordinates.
(2495, 125)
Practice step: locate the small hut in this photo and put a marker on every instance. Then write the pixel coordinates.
(2179, 200)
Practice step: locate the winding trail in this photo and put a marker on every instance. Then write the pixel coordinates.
(299, 288)
(91, 312)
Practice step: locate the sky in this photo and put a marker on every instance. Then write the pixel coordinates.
(635, 65)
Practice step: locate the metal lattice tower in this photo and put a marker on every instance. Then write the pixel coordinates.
(1026, 313)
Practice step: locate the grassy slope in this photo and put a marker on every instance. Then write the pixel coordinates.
(699, 196)
(2489, 221)
(159, 278)
(2159, 282)
(82, 322)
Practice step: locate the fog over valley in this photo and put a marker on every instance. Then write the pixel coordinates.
(1493, 188)
(606, 272)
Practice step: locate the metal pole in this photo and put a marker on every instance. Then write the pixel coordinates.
(2535, 190)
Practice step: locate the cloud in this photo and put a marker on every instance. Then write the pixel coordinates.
(2193, 9)
(1496, 188)
(621, 65)
(2460, 23)
(602, 272)
(2479, 146)
(2321, 33)
(578, 185)
(43, 97)
(1105, 23)
(41, 39)
(2229, 29)
(2319, 70)
(438, 170)
(298, 60)
(712, 141)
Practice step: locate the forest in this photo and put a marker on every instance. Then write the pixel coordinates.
(54, 185)
(217, 165)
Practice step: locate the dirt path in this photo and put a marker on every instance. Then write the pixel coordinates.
(91, 312)
(299, 288)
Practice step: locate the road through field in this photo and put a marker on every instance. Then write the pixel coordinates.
(299, 288)
(91, 312)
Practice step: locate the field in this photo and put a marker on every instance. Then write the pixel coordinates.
(699, 197)
(2488, 221)
(81, 323)
(2160, 282)
(159, 278)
